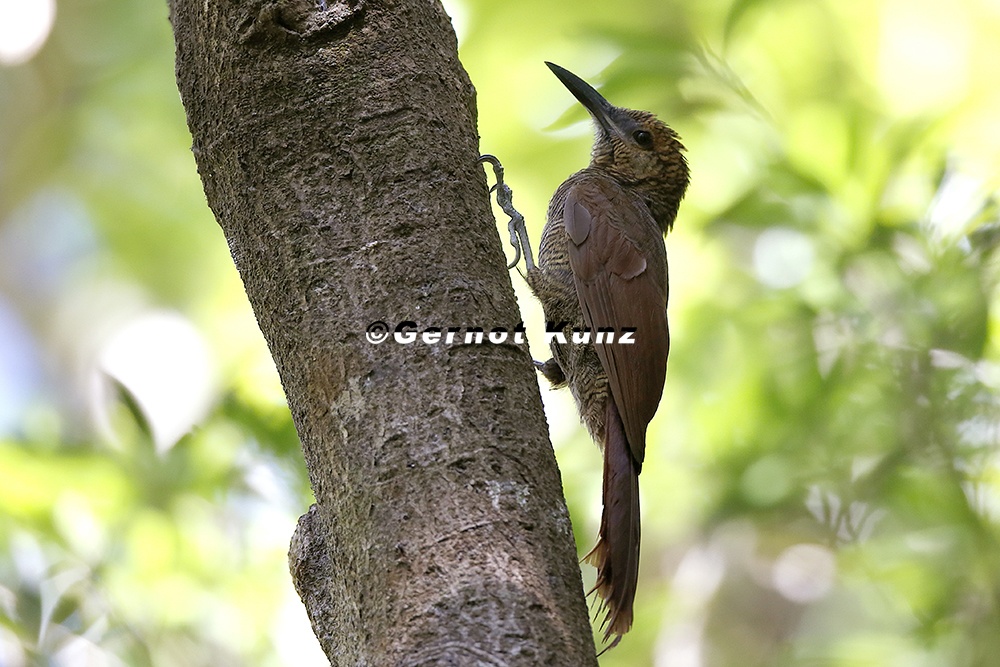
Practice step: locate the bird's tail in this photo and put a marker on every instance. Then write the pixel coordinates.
(616, 555)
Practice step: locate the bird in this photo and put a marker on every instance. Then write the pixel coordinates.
(602, 266)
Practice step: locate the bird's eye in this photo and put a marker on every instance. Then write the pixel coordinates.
(643, 138)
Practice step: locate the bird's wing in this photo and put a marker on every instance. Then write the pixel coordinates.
(619, 266)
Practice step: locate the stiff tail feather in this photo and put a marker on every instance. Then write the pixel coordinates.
(616, 555)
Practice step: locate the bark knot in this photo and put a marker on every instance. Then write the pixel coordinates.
(278, 20)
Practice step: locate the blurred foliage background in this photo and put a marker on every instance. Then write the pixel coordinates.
(823, 482)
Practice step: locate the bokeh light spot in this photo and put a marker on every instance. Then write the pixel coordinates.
(782, 257)
(804, 572)
(164, 362)
(24, 27)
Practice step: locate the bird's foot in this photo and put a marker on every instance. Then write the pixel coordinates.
(552, 371)
(518, 232)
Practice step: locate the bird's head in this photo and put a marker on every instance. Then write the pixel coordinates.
(635, 148)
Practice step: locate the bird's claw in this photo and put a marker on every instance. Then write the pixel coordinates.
(518, 232)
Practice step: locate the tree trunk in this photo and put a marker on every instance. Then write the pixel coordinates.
(337, 145)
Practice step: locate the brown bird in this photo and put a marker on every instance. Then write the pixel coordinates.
(602, 264)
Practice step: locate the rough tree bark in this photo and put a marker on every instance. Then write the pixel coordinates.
(337, 144)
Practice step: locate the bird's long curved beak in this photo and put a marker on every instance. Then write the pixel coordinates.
(605, 114)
